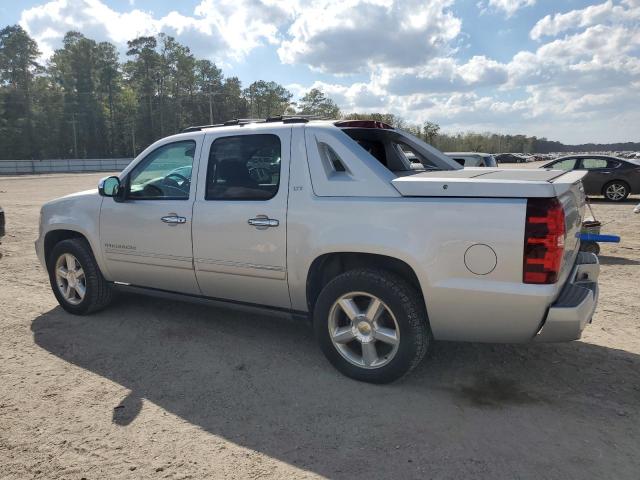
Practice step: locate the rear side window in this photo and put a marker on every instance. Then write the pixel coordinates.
(593, 163)
(244, 167)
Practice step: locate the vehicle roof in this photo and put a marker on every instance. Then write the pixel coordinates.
(204, 129)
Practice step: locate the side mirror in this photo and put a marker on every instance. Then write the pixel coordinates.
(109, 187)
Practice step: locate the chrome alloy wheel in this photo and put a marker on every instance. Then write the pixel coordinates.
(364, 330)
(70, 278)
(616, 191)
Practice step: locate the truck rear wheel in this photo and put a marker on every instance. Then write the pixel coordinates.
(372, 325)
(75, 278)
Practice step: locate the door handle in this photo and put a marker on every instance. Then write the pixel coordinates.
(262, 222)
(174, 219)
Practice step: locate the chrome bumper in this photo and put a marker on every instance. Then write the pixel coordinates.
(574, 308)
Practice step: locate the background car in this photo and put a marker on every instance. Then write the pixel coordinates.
(473, 159)
(510, 158)
(612, 177)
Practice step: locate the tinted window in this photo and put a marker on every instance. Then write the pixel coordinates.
(244, 167)
(567, 164)
(164, 174)
(592, 163)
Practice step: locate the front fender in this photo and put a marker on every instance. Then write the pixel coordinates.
(78, 213)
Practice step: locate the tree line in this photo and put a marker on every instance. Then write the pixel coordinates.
(87, 103)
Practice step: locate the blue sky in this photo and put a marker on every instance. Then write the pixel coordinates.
(565, 70)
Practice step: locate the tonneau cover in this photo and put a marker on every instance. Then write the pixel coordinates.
(488, 182)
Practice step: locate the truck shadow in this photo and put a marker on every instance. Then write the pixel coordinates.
(261, 383)
(611, 260)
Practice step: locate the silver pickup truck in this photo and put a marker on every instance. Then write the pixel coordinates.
(333, 220)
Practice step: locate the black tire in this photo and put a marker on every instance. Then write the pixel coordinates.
(407, 307)
(619, 184)
(98, 291)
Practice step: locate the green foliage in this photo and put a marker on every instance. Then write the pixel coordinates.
(266, 99)
(88, 104)
(315, 102)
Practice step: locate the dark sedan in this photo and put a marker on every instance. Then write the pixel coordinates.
(612, 177)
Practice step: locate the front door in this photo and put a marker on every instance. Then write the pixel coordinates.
(239, 217)
(146, 239)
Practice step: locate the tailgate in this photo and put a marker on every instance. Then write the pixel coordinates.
(570, 192)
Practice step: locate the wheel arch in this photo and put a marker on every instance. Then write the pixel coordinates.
(327, 266)
(53, 237)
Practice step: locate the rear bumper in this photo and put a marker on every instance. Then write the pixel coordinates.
(574, 308)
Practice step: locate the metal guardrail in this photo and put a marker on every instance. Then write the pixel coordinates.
(22, 167)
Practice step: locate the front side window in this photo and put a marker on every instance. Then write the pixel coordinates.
(567, 164)
(244, 167)
(165, 174)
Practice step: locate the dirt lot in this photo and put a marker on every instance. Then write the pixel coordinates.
(158, 389)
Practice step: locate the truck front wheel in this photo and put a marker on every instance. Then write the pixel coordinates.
(372, 325)
(75, 278)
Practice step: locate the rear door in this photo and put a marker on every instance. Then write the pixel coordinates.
(239, 229)
(599, 173)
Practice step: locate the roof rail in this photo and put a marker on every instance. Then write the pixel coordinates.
(246, 121)
(196, 128)
(294, 118)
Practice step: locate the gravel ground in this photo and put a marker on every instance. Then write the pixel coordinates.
(158, 389)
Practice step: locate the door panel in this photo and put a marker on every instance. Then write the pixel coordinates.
(146, 239)
(598, 174)
(239, 229)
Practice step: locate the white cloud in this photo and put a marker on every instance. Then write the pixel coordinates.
(444, 74)
(348, 36)
(228, 28)
(581, 83)
(509, 7)
(604, 13)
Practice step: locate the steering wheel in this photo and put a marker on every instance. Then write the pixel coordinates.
(184, 179)
(259, 174)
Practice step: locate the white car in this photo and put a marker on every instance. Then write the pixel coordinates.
(329, 220)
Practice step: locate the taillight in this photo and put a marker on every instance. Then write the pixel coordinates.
(544, 235)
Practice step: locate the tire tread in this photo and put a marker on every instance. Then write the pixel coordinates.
(99, 290)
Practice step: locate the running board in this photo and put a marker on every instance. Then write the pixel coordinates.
(251, 308)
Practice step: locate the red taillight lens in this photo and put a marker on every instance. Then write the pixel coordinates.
(544, 235)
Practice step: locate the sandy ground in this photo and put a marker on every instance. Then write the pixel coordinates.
(158, 389)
